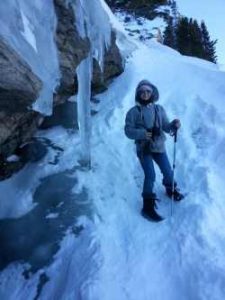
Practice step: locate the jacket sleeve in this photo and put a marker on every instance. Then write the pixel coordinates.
(131, 131)
(166, 125)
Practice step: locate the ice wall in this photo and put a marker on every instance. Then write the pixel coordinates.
(29, 28)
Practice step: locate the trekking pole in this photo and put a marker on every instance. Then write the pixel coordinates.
(174, 166)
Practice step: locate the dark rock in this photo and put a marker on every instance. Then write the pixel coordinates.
(16, 129)
(94, 112)
(7, 169)
(64, 114)
(139, 22)
(95, 100)
(32, 151)
(113, 66)
(127, 19)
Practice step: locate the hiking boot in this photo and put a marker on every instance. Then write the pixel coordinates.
(149, 208)
(177, 195)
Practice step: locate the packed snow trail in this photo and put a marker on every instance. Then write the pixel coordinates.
(179, 258)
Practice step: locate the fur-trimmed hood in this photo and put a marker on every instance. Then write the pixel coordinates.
(155, 93)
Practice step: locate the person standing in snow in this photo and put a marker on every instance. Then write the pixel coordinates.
(146, 123)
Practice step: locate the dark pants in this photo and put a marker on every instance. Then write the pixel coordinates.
(162, 161)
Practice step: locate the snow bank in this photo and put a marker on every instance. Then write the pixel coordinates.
(140, 256)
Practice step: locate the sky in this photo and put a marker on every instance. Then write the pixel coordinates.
(212, 12)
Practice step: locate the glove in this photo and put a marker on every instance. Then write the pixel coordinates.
(175, 124)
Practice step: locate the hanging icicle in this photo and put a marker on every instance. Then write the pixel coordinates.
(92, 21)
(84, 75)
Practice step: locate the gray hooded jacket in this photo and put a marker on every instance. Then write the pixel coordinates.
(142, 117)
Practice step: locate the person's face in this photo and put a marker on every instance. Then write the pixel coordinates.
(145, 93)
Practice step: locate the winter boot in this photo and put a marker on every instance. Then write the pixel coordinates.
(177, 196)
(149, 207)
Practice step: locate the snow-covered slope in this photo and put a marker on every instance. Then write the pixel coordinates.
(140, 27)
(120, 255)
(180, 258)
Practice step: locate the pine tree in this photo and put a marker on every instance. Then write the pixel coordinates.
(169, 34)
(183, 43)
(136, 4)
(175, 13)
(195, 36)
(193, 40)
(208, 45)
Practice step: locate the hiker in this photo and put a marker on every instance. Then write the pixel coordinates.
(146, 123)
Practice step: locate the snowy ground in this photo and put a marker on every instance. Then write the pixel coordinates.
(119, 254)
(182, 258)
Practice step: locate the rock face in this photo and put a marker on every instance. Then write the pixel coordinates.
(16, 129)
(71, 48)
(113, 66)
(20, 87)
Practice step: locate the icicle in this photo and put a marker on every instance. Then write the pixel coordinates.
(84, 75)
(92, 21)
